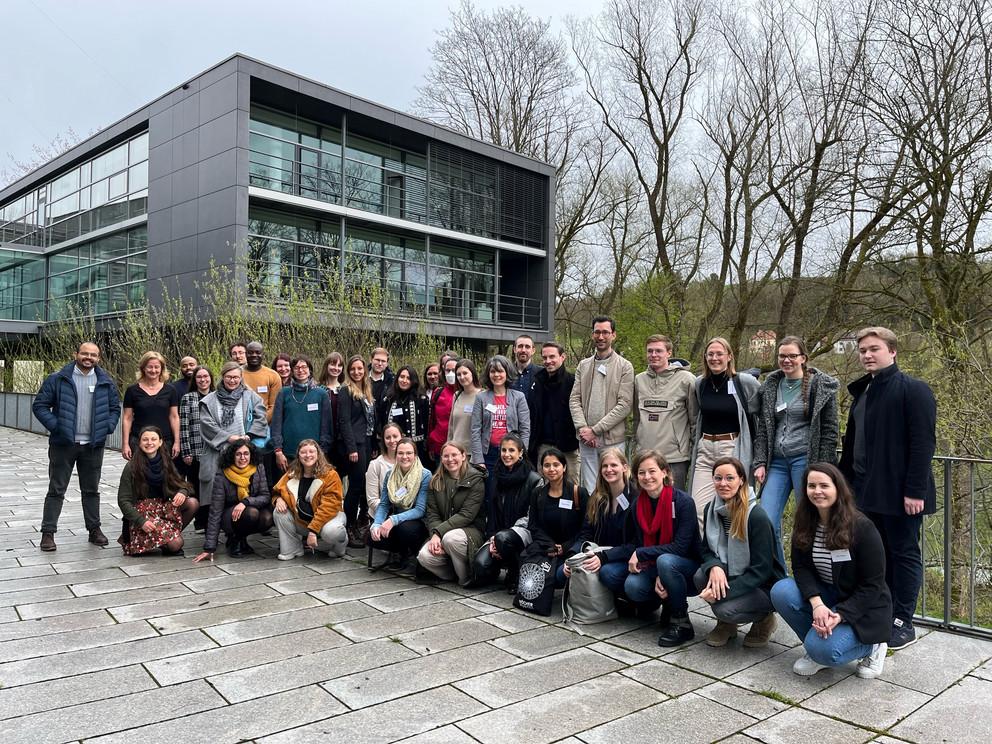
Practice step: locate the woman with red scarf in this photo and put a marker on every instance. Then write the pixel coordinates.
(669, 556)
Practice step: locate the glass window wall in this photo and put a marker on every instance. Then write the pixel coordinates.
(290, 255)
(22, 285)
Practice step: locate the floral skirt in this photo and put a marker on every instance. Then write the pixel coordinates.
(165, 516)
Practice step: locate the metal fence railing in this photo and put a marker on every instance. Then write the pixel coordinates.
(956, 540)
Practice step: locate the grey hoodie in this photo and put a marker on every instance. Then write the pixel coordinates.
(665, 409)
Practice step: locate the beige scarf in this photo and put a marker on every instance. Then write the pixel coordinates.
(398, 497)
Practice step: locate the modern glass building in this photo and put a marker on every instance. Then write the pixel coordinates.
(298, 188)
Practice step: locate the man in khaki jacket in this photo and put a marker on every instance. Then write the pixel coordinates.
(600, 400)
(665, 408)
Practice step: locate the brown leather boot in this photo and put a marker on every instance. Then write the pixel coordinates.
(97, 537)
(47, 542)
(760, 632)
(722, 633)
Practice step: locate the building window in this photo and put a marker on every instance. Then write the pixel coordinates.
(291, 256)
(22, 285)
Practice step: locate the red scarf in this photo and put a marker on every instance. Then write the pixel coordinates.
(657, 530)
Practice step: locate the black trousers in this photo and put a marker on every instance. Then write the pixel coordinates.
(903, 559)
(406, 538)
(88, 462)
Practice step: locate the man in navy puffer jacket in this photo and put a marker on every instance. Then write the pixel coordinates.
(80, 406)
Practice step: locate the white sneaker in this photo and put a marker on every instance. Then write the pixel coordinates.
(871, 666)
(806, 667)
(290, 556)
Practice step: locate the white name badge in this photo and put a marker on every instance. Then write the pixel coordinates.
(622, 501)
(92, 388)
(564, 503)
(468, 409)
(839, 556)
(673, 510)
(401, 492)
(601, 369)
(262, 389)
(396, 412)
(730, 387)
(312, 406)
(491, 407)
(781, 407)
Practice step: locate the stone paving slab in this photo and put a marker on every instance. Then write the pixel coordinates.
(308, 613)
(798, 726)
(76, 640)
(446, 637)
(236, 723)
(959, 714)
(872, 703)
(82, 688)
(56, 624)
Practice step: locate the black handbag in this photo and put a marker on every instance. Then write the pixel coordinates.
(536, 585)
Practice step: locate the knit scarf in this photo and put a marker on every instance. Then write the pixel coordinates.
(229, 403)
(154, 473)
(657, 529)
(410, 481)
(733, 553)
(240, 477)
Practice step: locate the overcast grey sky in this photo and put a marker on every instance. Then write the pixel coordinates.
(86, 63)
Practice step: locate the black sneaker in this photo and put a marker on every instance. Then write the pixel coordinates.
(903, 634)
(676, 634)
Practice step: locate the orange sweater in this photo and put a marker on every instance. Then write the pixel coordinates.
(267, 383)
(325, 498)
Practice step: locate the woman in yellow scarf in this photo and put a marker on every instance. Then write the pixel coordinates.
(399, 521)
(240, 504)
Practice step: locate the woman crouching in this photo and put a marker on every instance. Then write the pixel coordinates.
(307, 504)
(837, 603)
(739, 560)
(155, 501)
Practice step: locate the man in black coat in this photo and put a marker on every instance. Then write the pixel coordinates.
(888, 449)
(550, 418)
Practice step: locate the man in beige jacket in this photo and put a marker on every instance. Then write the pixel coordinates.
(601, 399)
(665, 408)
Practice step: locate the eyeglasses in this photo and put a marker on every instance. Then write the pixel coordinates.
(232, 377)
(788, 357)
(724, 478)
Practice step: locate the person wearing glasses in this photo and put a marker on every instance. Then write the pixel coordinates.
(726, 402)
(302, 411)
(796, 425)
(739, 561)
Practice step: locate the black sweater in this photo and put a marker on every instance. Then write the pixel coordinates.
(549, 523)
(865, 602)
(618, 533)
(764, 568)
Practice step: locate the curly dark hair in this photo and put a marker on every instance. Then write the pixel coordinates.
(227, 454)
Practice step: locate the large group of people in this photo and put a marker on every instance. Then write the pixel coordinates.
(456, 475)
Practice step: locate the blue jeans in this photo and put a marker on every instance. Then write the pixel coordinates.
(675, 573)
(784, 475)
(613, 575)
(840, 647)
(490, 457)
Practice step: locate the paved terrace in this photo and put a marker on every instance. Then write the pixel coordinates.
(98, 647)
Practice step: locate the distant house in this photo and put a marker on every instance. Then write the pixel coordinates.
(762, 343)
(846, 344)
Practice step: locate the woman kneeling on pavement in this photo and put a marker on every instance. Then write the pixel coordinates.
(507, 520)
(668, 557)
(155, 501)
(739, 560)
(307, 503)
(455, 516)
(837, 603)
(240, 504)
(609, 523)
(399, 521)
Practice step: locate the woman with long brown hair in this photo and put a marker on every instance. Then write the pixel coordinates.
(307, 503)
(837, 602)
(796, 424)
(356, 414)
(739, 561)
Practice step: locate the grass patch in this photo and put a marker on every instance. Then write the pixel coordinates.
(773, 695)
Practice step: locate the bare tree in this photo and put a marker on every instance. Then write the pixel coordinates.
(18, 167)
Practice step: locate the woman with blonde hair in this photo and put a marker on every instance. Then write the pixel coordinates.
(356, 414)
(307, 503)
(455, 517)
(724, 424)
(399, 521)
(739, 561)
(151, 401)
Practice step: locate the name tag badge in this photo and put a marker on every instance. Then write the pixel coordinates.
(673, 510)
(622, 501)
(312, 406)
(396, 412)
(92, 388)
(491, 407)
(653, 417)
(601, 369)
(401, 492)
(781, 407)
(262, 389)
(652, 403)
(839, 556)
(730, 387)
(564, 503)
(468, 409)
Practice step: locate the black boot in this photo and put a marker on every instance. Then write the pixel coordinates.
(234, 546)
(678, 632)
(246, 549)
